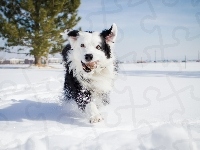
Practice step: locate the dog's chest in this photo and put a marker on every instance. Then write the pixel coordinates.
(99, 81)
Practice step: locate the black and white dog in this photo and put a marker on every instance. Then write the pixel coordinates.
(90, 69)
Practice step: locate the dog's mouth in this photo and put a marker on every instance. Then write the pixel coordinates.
(89, 66)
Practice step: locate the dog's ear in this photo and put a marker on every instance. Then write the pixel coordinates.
(110, 34)
(72, 35)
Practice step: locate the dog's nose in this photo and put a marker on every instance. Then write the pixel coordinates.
(88, 57)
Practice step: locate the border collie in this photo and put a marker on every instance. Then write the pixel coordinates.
(90, 69)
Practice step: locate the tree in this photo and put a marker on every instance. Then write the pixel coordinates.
(37, 24)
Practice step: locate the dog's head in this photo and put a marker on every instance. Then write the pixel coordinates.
(91, 50)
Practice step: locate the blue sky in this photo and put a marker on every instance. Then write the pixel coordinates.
(169, 27)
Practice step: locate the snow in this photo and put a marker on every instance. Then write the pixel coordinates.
(153, 106)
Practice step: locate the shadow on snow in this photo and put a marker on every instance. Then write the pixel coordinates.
(40, 111)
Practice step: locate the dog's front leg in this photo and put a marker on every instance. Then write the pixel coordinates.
(93, 111)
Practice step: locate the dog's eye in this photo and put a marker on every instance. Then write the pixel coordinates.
(98, 47)
(82, 45)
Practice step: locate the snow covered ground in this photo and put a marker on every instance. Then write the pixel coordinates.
(153, 106)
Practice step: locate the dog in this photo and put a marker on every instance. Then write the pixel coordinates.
(90, 69)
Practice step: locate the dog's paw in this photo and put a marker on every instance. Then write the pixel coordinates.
(96, 118)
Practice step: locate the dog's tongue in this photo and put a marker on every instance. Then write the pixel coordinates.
(91, 65)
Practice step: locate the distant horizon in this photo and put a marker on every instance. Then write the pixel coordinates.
(122, 60)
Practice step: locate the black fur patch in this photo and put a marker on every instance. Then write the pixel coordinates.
(73, 33)
(106, 32)
(74, 90)
(105, 46)
(106, 49)
(65, 51)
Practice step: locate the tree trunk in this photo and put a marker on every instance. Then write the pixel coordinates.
(38, 60)
(47, 61)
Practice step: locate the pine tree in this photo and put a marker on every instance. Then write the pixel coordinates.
(37, 24)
